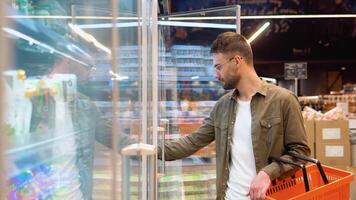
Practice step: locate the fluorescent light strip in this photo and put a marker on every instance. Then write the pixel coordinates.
(33, 41)
(67, 17)
(264, 17)
(164, 23)
(107, 25)
(200, 18)
(89, 38)
(117, 77)
(299, 16)
(197, 24)
(258, 32)
(21, 35)
(189, 18)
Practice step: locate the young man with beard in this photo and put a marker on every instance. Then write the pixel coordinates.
(250, 124)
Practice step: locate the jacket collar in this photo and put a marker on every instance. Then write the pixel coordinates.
(262, 90)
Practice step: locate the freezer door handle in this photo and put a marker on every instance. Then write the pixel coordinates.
(163, 132)
(139, 149)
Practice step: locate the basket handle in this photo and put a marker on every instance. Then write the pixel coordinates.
(313, 160)
(302, 166)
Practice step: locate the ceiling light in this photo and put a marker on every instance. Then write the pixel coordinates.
(117, 77)
(32, 41)
(89, 38)
(162, 23)
(264, 17)
(189, 18)
(68, 17)
(258, 32)
(197, 24)
(108, 25)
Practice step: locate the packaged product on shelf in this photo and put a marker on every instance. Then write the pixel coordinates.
(43, 113)
(66, 85)
(352, 104)
(311, 114)
(18, 107)
(336, 113)
(37, 183)
(24, 6)
(67, 88)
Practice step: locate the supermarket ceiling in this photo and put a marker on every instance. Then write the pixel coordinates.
(315, 40)
(324, 41)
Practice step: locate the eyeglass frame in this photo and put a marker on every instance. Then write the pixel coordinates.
(219, 67)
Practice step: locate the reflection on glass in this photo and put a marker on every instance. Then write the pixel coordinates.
(58, 103)
(59, 109)
(189, 91)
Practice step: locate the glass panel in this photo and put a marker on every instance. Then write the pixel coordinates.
(130, 104)
(59, 104)
(188, 91)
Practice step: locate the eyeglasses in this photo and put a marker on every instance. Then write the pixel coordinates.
(219, 67)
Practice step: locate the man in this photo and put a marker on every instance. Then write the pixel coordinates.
(88, 120)
(250, 124)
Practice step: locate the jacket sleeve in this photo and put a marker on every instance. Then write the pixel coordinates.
(103, 133)
(295, 139)
(191, 143)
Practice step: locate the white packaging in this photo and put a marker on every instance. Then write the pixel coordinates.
(331, 133)
(334, 151)
(18, 108)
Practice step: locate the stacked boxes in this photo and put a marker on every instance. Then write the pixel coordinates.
(329, 141)
(332, 143)
(310, 130)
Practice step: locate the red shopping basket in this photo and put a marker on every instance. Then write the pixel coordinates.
(313, 182)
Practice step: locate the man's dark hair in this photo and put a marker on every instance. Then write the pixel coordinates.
(230, 43)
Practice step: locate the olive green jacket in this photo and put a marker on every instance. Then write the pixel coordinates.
(277, 127)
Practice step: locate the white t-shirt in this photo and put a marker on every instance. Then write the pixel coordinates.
(242, 166)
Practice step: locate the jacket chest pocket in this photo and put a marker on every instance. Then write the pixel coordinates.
(221, 132)
(271, 130)
(270, 123)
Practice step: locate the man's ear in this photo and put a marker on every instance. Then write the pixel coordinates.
(238, 60)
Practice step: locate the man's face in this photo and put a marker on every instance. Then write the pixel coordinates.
(83, 73)
(226, 70)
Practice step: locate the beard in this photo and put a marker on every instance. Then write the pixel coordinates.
(231, 82)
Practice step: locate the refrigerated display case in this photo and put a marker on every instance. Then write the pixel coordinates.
(50, 145)
(58, 133)
(90, 91)
(189, 92)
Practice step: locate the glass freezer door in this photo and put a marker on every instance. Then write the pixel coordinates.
(188, 92)
(79, 99)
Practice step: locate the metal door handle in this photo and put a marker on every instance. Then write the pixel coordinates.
(139, 149)
(163, 132)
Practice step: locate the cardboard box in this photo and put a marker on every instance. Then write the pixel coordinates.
(353, 155)
(310, 130)
(334, 154)
(332, 146)
(331, 131)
